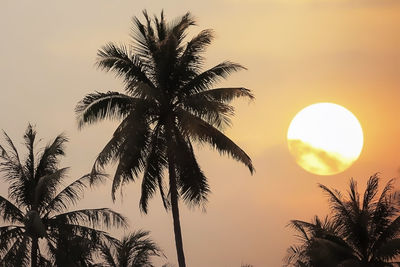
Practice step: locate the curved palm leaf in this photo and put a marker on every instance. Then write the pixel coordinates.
(71, 194)
(206, 79)
(153, 172)
(48, 162)
(206, 133)
(225, 95)
(100, 106)
(191, 179)
(93, 217)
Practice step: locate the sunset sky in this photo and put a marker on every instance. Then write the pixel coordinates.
(298, 52)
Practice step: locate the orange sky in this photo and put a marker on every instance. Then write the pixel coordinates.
(298, 52)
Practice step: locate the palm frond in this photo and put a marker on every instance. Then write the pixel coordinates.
(156, 162)
(144, 46)
(336, 203)
(354, 197)
(371, 191)
(191, 180)
(9, 234)
(225, 95)
(29, 138)
(49, 159)
(121, 61)
(214, 112)
(179, 26)
(99, 106)
(46, 187)
(161, 26)
(9, 212)
(191, 58)
(107, 256)
(10, 166)
(206, 79)
(10, 163)
(102, 217)
(129, 147)
(16, 255)
(203, 132)
(302, 228)
(72, 193)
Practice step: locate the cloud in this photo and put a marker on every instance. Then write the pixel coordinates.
(317, 160)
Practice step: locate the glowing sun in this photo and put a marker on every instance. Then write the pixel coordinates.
(325, 138)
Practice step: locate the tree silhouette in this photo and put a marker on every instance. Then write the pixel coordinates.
(134, 250)
(37, 208)
(361, 232)
(168, 104)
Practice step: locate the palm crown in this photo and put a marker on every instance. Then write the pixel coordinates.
(168, 103)
(133, 250)
(362, 231)
(37, 207)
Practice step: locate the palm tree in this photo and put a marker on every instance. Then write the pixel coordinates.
(134, 250)
(361, 232)
(168, 104)
(37, 206)
(313, 234)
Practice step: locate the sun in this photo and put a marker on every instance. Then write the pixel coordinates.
(325, 138)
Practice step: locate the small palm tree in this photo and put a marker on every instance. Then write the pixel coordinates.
(168, 104)
(361, 232)
(312, 234)
(37, 207)
(134, 250)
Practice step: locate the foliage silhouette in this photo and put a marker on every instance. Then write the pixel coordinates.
(133, 250)
(37, 208)
(361, 232)
(168, 103)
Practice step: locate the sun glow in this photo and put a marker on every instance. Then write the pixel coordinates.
(325, 138)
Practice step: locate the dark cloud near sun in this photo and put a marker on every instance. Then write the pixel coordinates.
(316, 160)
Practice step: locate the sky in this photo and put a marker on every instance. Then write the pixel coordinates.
(298, 52)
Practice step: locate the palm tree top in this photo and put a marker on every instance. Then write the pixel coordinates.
(134, 249)
(38, 204)
(165, 90)
(363, 230)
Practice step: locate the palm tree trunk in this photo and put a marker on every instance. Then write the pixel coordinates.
(174, 203)
(35, 247)
(175, 216)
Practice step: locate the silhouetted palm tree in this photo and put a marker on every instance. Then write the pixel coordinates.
(361, 232)
(37, 207)
(168, 104)
(309, 233)
(134, 250)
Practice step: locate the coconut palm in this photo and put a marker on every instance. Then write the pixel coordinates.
(38, 203)
(133, 250)
(168, 104)
(313, 234)
(362, 231)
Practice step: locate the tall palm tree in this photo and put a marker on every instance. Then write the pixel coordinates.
(168, 104)
(37, 206)
(362, 231)
(134, 250)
